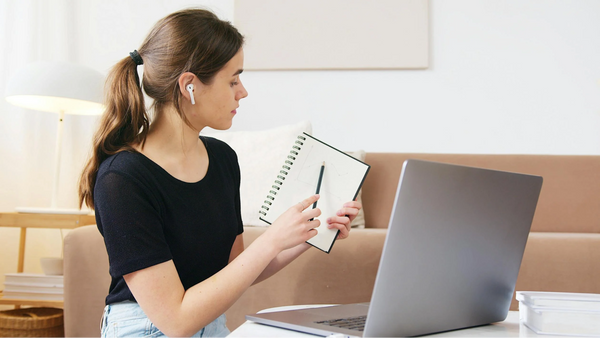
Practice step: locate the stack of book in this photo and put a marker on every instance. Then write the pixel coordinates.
(33, 286)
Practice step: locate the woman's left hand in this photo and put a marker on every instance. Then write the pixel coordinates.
(343, 218)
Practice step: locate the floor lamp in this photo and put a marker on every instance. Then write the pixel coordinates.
(62, 88)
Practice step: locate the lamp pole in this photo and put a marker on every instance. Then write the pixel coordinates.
(57, 153)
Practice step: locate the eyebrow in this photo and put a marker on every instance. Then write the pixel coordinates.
(239, 71)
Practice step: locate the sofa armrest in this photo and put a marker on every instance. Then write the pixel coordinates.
(346, 275)
(86, 281)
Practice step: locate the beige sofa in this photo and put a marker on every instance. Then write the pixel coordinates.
(562, 253)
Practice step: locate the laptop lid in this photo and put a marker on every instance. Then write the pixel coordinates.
(451, 257)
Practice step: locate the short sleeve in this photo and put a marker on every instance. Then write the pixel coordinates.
(231, 161)
(238, 202)
(130, 222)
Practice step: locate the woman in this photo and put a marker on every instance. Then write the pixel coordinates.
(167, 202)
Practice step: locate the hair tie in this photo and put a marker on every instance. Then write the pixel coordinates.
(136, 58)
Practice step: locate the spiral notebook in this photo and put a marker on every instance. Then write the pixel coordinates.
(341, 181)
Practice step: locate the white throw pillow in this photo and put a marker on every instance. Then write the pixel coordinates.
(260, 154)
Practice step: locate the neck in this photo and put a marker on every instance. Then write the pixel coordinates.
(171, 134)
(176, 147)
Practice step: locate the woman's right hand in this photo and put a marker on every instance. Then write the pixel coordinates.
(294, 226)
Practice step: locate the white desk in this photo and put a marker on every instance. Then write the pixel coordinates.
(508, 328)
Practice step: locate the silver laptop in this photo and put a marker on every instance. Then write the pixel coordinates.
(450, 260)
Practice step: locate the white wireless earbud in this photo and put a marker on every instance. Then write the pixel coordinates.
(190, 89)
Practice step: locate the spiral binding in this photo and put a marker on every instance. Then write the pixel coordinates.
(285, 168)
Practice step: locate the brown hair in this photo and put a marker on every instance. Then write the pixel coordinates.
(191, 40)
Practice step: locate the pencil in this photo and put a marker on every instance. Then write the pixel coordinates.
(319, 182)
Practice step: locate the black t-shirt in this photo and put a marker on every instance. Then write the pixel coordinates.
(149, 217)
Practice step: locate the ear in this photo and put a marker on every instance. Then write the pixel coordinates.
(184, 80)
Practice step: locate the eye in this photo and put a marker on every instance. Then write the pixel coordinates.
(234, 83)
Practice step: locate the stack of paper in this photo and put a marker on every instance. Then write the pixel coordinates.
(33, 286)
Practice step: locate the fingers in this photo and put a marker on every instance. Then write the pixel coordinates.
(350, 210)
(344, 218)
(294, 226)
(307, 202)
(310, 234)
(308, 218)
(340, 223)
(311, 213)
(310, 222)
(353, 204)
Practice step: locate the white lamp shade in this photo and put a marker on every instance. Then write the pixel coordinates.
(55, 87)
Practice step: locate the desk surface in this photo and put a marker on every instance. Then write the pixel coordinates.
(508, 328)
(50, 221)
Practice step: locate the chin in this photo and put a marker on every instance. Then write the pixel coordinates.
(222, 126)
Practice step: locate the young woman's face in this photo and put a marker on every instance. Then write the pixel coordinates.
(216, 103)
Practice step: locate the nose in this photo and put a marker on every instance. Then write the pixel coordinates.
(242, 93)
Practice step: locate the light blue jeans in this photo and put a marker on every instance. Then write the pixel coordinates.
(127, 319)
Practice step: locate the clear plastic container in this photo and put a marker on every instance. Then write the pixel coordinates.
(560, 313)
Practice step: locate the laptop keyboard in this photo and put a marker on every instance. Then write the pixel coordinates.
(351, 323)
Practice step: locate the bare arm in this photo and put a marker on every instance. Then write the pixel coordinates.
(282, 260)
(177, 312)
(279, 262)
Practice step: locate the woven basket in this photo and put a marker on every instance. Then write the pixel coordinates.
(32, 322)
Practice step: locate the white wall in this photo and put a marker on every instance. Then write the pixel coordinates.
(506, 76)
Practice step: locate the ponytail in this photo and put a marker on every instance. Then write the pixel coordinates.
(190, 40)
(123, 124)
